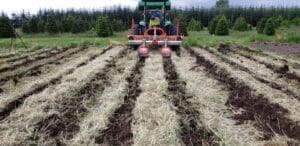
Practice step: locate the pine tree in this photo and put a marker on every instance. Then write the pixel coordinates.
(118, 26)
(195, 25)
(183, 26)
(240, 24)
(270, 27)
(213, 24)
(33, 25)
(67, 23)
(76, 27)
(222, 27)
(51, 25)
(260, 27)
(6, 29)
(102, 27)
(25, 26)
(108, 26)
(41, 26)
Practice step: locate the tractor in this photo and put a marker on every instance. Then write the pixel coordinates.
(155, 30)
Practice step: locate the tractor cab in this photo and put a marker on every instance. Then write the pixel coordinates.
(155, 30)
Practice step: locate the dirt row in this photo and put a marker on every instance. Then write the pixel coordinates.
(279, 66)
(190, 132)
(258, 72)
(18, 100)
(118, 131)
(42, 105)
(11, 66)
(26, 56)
(270, 118)
(18, 54)
(32, 67)
(66, 123)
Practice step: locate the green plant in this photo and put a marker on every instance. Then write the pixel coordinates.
(195, 25)
(51, 25)
(222, 27)
(270, 27)
(260, 27)
(240, 24)
(6, 29)
(213, 24)
(104, 28)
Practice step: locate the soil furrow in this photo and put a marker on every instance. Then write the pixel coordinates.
(11, 106)
(260, 53)
(28, 55)
(267, 117)
(34, 68)
(118, 131)
(29, 61)
(271, 84)
(283, 70)
(19, 53)
(66, 124)
(191, 133)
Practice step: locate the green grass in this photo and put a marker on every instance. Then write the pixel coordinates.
(36, 41)
(203, 38)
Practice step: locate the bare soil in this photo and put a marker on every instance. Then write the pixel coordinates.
(288, 49)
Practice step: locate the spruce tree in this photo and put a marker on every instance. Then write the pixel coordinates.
(195, 25)
(41, 26)
(213, 24)
(6, 29)
(67, 23)
(25, 26)
(108, 26)
(183, 26)
(102, 28)
(240, 24)
(51, 25)
(260, 27)
(33, 25)
(222, 27)
(270, 27)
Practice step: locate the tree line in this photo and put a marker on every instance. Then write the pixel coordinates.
(75, 21)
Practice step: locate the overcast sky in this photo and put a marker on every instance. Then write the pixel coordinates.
(32, 6)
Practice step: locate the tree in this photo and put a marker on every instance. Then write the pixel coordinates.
(260, 27)
(108, 26)
(213, 24)
(78, 26)
(270, 27)
(41, 26)
(222, 27)
(25, 26)
(6, 29)
(103, 27)
(67, 23)
(118, 26)
(51, 25)
(33, 25)
(240, 24)
(183, 28)
(222, 4)
(195, 25)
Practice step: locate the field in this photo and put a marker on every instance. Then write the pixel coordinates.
(91, 94)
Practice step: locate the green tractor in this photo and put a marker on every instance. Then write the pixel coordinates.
(155, 30)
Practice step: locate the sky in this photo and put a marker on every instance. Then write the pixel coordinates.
(32, 6)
